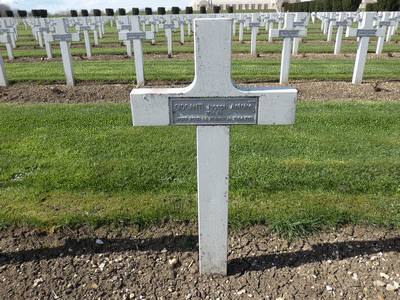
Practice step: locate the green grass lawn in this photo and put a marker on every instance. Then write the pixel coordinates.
(66, 165)
(183, 70)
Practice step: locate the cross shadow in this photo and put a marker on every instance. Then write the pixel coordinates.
(317, 253)
(184, 243)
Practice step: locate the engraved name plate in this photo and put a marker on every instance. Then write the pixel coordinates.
(366, 32)
(62, 38)
(255, 24)
(342, 23)
(126, 27)
(288, 33)
(136, 35)
(84, 27)
(214, 111)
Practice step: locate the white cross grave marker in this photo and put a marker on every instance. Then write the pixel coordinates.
(63, 36)
(332, 18)
(93, 22)
(137, 36)
(6, 39)
(395, 17)
(364, 32)
(85, 27)
(152, 22)
(341, 22)
(213, 103)
(241, 22)
(271, 20)
(383, 23)
(11, 31)
(254, 25)
(287, 33)
(301, 21)
(168, 25)
(182, 22)
(3, 75)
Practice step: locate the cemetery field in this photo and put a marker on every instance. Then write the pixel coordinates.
(92, 207)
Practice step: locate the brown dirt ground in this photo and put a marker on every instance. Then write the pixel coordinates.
(309, 90)
(162, 262)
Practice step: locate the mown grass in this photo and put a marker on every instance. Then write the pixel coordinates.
(66, 165)
(183, 70)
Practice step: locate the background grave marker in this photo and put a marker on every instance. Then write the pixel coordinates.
(85, 27)
(137, 36)
(287, 33)
(383, 23)
(3, 75)
(364, 32)
(63, 36)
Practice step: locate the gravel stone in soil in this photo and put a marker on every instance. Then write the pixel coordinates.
(162, 263)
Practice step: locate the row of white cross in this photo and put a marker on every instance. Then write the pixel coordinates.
(57, 30)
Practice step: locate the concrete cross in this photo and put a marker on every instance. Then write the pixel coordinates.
(182, 22)
(254, 25)
(265, 19)
(153, 25)
(40, 29)
(63, 36)
(383, 23)
(3, 75)
(395, 17)
(6, 39)
(137, 36)
(332, 18)
(168, 26)
(85, 27)
(213, 103)
(11, 30)
(287, 33)
(301, 21)
(273, 19)
(241, 22)
(96, 33)
(341, 22)
(364, 32)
